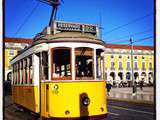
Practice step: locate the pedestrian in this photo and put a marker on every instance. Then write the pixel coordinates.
(141, 84)
(109, 85)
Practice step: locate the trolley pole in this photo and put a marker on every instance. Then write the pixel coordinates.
(54, 4)
(133, 80)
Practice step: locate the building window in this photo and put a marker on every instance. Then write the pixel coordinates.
(135, 57)
(120, 74)
(150, 66)
(112, 66)
(135, 66)
(11, 52)
(112, 56)
(128, 75)
(128, 66)
(120, 56)
(120, 66)
(128, 57)
(143, 57)
(143, 66)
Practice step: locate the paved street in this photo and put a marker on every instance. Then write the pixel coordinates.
(130, 111)
(117, 111)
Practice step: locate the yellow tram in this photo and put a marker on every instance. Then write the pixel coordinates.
(62, 74)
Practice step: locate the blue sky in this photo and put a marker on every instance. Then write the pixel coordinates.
(120, 19)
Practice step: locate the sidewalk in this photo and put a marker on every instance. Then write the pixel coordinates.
(125, 94)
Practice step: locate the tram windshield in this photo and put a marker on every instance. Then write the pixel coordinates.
(84, 63)
(61, 63)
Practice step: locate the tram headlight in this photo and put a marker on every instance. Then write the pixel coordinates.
(86, 101)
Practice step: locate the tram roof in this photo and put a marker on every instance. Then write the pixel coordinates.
(68, 37)
(64, 37)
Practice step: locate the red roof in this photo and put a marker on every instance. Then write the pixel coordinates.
(118, 46)
(18, 40)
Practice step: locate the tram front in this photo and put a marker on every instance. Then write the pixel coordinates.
(76, 86)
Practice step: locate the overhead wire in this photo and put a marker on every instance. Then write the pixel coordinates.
(138, 40)
(26, 19)
(143, 39)
(131, 22)
(134, 34)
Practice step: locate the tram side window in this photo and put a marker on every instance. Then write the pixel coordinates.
(18, 70)
(61, 64)
(30, 70)
(100, 64)
(84, 63)
(22, 72)
(45, 64)
(14, 74)
(25, 71)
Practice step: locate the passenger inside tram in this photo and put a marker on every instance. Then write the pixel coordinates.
(84, 66)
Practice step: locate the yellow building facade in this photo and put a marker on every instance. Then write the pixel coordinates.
(118, 66)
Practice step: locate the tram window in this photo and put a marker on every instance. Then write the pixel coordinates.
(30, 70)
(22, 72)
(45, 64)
(21, 69)
(100, 64)
(18, 70)
(25, 71)
(14, 73)
(84, 63)
(16, 79)
(61, 64)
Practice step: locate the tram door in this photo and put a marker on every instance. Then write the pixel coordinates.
(44, 87)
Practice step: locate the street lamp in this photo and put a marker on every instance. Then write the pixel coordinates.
(133, 80)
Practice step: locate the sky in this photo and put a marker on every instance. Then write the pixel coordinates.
(120, 20)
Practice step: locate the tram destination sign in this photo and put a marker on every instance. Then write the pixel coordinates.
(61, 26)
